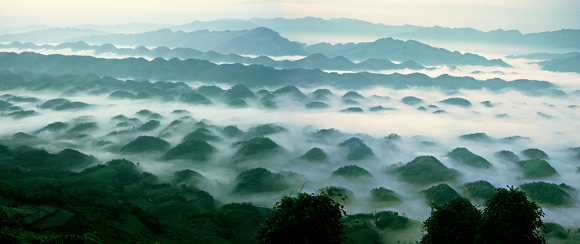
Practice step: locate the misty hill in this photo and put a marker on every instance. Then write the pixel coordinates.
(534, 153)
(537, 169)
(440, 194)
(424, 170)
(144, 144)
(397, 50)
(203, 134)
(200, 70)
(480, 136)
(313, 61)
(259, 180)
(258, 41)
(507, 156)
(314, 154)
(352, 172)
(549, 193)
(384, 195)
(68, 159)
(192, 149)
(463, 155)
(411, 100)
(49, 35)
(462, 102)
(479, 189)
(571, 64)
(357, 149)
(255, 146)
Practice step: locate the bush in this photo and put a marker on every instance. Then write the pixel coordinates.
(306, 218)
(455, 222)
(509, 217)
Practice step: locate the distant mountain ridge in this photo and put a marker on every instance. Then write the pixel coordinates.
(570, 64)
(391, 49)
(258, 41)
(558, 39)
(263, 41)
(313, 61)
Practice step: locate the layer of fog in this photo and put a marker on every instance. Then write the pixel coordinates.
(554, 136)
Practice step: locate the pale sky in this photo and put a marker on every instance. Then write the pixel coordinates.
(524, 15)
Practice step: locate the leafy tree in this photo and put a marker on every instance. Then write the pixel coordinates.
(306, 218)
(509, 217)
(455, 222)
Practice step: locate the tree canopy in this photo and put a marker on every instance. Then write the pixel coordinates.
(305, 218)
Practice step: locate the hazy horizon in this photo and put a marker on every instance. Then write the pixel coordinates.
(486, 15)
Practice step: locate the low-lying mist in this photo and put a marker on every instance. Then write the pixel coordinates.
(427, 127)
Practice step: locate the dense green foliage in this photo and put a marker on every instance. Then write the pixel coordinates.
(553, 230)
(463, 155)
(259, 180)
(210, 91)
(391, 220)
(238, 91)
(145, 143)
(255, 146)
(106, 203)
(83, 127)
(194, 98)
(352, 171)
(509, 209)
(537, 169)
(40, 158)
(384, 195)
(187, 177)
(149, 125)
(508, 217)
(480, 136)
(306, 218)
(54, 127)
(232, 131)
(193, 149)
(314, 154)
(548, 193)
(425, 170)
(534, 153)
(457, 221)
(440, 194)
(203, 134)
(507, 155)
(479, 189)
